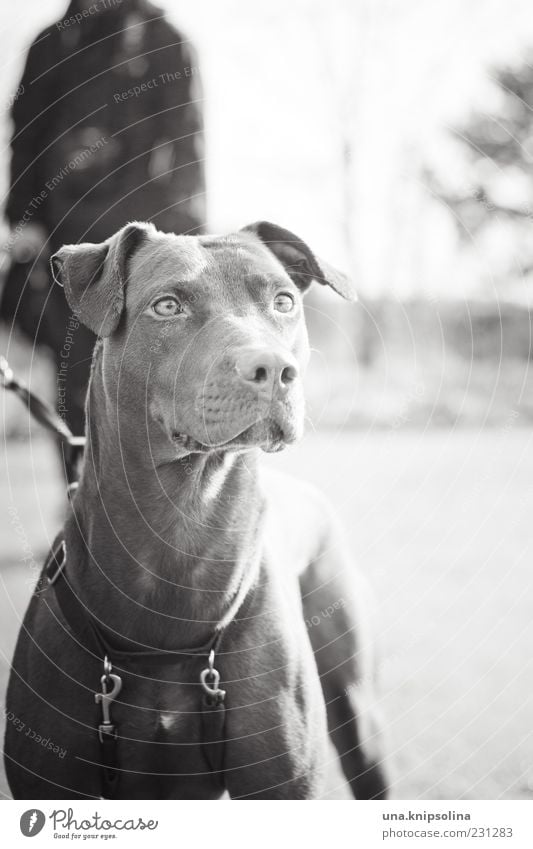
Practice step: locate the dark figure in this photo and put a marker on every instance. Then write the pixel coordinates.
(107, 129)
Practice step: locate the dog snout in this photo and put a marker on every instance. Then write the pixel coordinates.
(270, 371)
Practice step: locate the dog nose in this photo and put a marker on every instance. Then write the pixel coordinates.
(268, 370)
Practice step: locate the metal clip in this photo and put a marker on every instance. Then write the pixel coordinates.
(210, 679)
(6, 373)
(71, 489)
(105, 698)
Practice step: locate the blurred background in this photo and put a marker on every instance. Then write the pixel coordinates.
(397, 140)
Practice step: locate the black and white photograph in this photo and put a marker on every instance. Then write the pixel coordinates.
(266, 479)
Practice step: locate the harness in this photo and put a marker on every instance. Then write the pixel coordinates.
(91, 637)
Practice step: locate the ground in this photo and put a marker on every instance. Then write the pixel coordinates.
(441, 524)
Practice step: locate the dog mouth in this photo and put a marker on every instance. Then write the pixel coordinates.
(267, 434)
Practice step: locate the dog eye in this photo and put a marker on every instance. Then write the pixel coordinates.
(167, 306)
(283, 302)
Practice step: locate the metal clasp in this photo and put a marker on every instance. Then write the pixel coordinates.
(6, 373)
(106, 698)
(210, 679)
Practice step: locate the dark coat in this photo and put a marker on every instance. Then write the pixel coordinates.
(108, 126)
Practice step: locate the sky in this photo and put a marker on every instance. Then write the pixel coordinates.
(290, 89)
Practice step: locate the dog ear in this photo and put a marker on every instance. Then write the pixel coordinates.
(94, 276)
(299, 261)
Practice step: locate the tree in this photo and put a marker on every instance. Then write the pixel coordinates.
(499, 151)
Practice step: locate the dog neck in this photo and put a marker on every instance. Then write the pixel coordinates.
(167, 545)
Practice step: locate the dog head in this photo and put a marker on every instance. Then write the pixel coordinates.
(204, 336)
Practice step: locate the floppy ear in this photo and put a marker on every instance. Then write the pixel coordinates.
(299, 261)
(94, 276)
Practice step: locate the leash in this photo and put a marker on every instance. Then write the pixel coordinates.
(91, 638)
(46, 415)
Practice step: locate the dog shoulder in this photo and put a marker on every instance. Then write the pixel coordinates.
(298, 517)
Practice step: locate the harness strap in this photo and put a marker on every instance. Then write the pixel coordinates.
(79, 622)
(108, 735)
(213, 725)
(75, 614)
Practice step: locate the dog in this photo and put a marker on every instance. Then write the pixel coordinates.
(220, 592)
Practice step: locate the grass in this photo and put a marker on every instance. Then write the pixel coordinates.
(441, 524)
